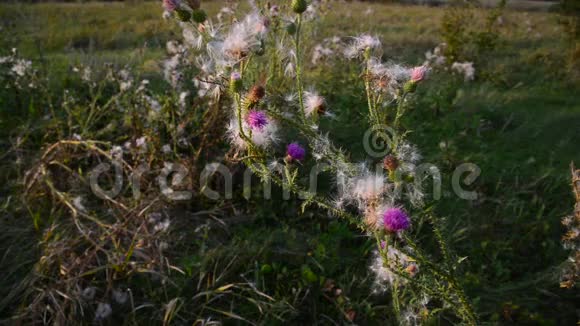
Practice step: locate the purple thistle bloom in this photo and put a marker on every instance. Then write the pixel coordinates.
(256, 119)
(170, 5)
(235, 76)
(395, 219)
(295, 152)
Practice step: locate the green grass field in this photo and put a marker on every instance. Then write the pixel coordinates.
(519, 121)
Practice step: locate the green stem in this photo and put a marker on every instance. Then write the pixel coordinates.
(465, 310)
(238, 100)
(397, 122)
(372, 114)
(299, 86)
(320, 202)
(400, 110)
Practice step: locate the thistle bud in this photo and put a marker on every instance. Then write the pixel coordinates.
(255, 94)
(274, 11)
(265, 23)
(170, 5)
(259, 51)
(183, 15)
(412, 269)
(199, 16)
(299, 6)
(236, 82)
(382, 82)
(194, 4)
(417, 75)
(410, 87)
(390, 163)
(291, 28)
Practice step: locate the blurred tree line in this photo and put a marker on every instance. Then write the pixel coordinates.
(570, 19)
(571, 12)
(75, 1)
(424, 2)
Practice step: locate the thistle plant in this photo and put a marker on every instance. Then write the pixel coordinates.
(93, 244)
(571, 239)
(382, 196)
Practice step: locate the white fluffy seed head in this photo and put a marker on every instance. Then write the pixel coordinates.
(361, 44)
(244, 36)
(313, 103)
(369, 187)
(264, 137)
(389, 77)
(408, 153)
(385, 278)
(464, 68)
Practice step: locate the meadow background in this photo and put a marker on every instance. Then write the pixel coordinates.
(519, 121)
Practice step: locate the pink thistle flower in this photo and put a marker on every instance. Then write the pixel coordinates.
(418, 73)
(170, 5)
(295, 151)
(257, 120)
(395, 219)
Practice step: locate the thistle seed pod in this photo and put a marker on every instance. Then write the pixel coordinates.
(390, 163)
(299, 6)
(236, 82)
(255, 94)
(410, 87)
(183, 15)
(291, 28)
(194, 4)
(199, 16)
